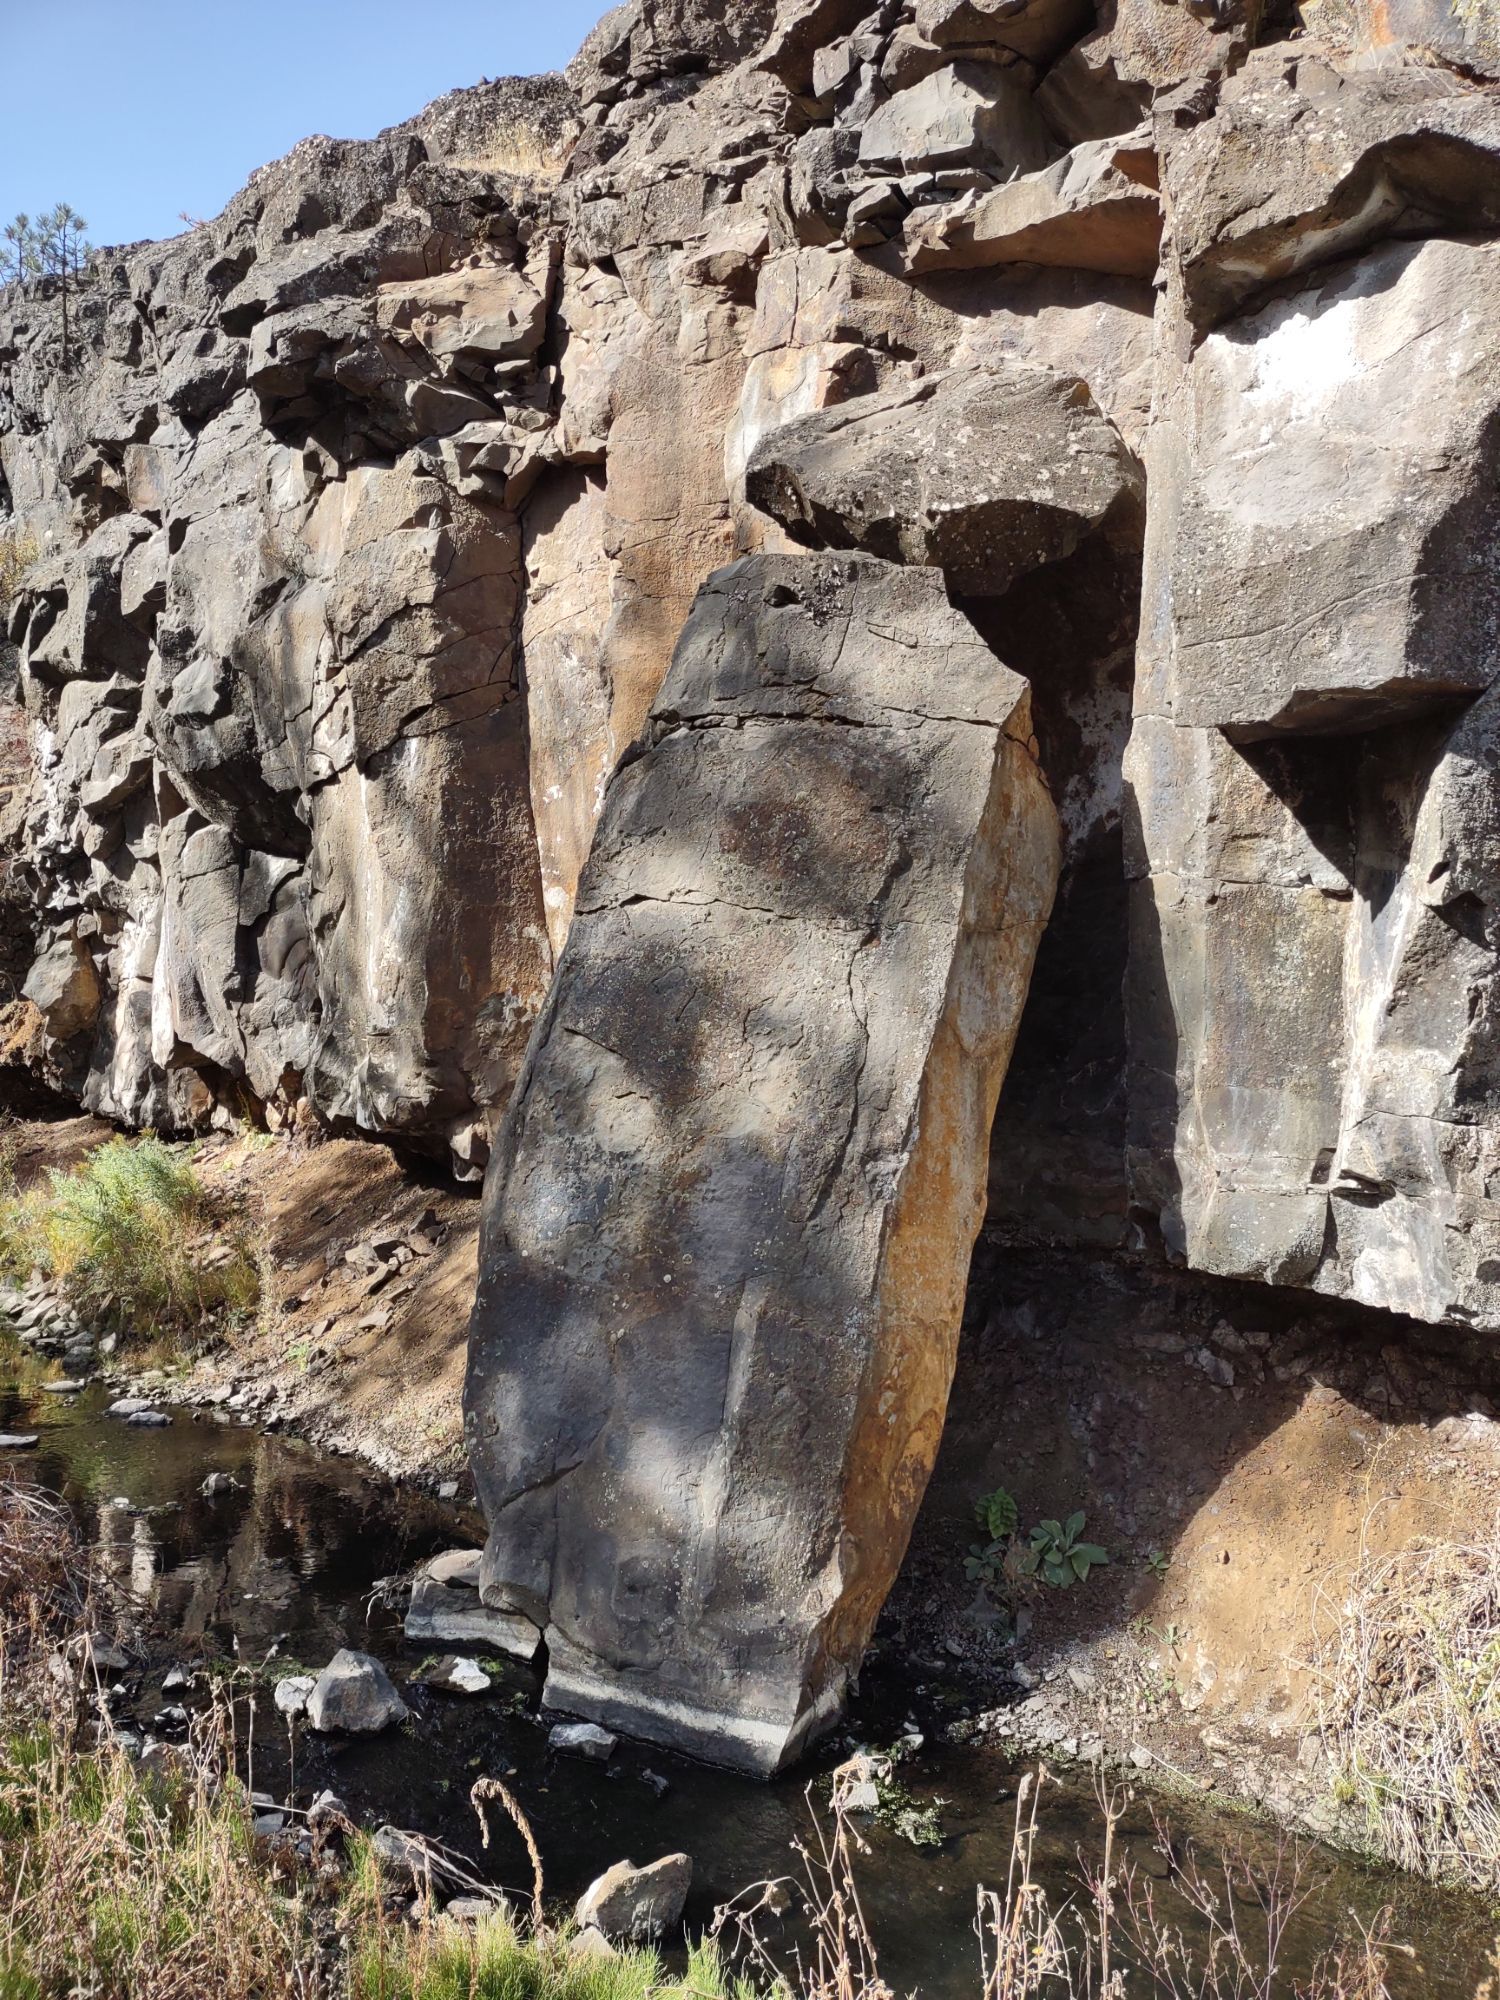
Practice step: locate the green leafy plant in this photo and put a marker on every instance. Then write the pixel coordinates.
(1158, 1562)
(997, 1514)
(999, 1517)
(1058, 1556)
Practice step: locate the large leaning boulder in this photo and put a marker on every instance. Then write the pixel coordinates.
(729, 1220)
(986, 472)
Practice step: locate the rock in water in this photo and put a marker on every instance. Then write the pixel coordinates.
(292, 1694)
(637, 1903)
(583, 1739)
(729, 1224)
(354, 1696)
(456, 1616)
(455, 1675)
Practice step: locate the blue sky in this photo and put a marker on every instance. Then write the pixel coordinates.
(134, 110)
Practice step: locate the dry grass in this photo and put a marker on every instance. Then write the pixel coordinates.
(1409, 1674)
(44, 1586)
(18, 551)
(121, 1883)
(1114, 1939)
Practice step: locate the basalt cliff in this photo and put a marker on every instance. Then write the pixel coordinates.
(847, 624)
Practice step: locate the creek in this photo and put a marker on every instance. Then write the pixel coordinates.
(287, 1560)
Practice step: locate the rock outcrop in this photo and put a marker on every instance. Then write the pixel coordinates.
(269, 652)
(1111, 383)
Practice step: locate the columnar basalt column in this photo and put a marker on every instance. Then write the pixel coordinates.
(730, 1214)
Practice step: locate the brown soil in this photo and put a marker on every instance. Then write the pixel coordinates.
(370, 1363)
(1259, 1441)
(34, 1146)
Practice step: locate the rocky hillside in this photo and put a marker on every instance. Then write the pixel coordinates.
(887, 473)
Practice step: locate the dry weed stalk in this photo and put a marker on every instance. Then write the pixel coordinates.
(1022, 1947)
(842, 1963)
(1408, 1665)
(1120, 1937)
(486, 1789)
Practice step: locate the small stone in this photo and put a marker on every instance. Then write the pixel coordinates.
(456, 1675)
(591, 1942)
(293, 1693)
(165, 1761)
(407, 1856)
(655, 1782)
(447, 1489)
(1215, 1367)
(1141, 1757)
(475, 1909)
(637, 1903)
(128, 1406)
(218, 1483)
(583, 1739)
(68, 1388)
(149, 1420)
(327, 1809)
(353, 1696)
(19, 1440)
(174, 1678)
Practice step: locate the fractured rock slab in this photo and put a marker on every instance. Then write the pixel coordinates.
(1096, 209)
(729, 1222)
(1313, 1002)
(1323, 477)
(1038, 29)
(967, 115)
(452, 1616)
(1301, 165)
(1107, 81)
(986, 472)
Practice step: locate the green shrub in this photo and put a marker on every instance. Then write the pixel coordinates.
(131, 1234)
